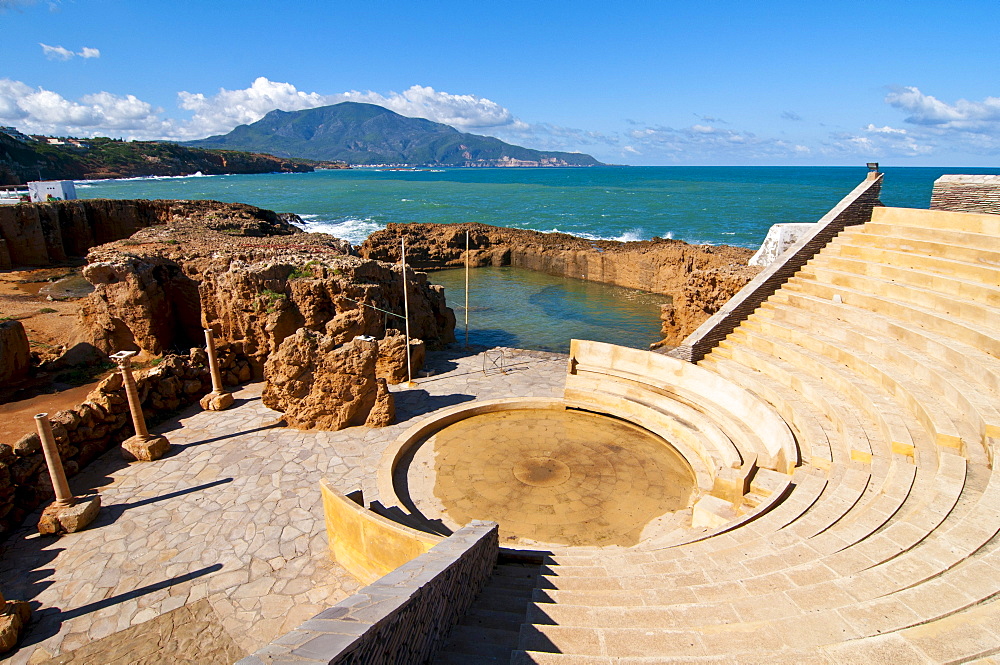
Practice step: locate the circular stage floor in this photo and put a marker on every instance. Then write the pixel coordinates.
(549, 477)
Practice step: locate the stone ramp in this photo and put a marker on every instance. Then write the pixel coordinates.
(881, 354)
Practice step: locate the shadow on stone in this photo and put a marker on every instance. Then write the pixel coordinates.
(109, 514)
(47, 622)
(176, 448)
(410, 403)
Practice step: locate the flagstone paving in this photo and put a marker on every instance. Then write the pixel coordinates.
(227, 531)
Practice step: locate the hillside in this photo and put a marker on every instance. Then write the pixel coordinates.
(368, 134)
(89, 159)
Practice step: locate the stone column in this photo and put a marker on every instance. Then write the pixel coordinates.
(143, 447)
(218, 399)
(67, 514)
(52, 459)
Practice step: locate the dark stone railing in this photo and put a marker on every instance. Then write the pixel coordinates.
(855, 208)
(402, 617)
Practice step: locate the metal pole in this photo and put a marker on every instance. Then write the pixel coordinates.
(406, 310)
(56, 472)
(466, 288)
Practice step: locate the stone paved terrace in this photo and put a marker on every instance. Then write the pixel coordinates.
(210, 553)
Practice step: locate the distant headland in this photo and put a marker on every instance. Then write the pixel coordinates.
(365, 134)
(24, 158)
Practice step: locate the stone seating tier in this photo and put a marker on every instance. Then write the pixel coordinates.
(883, 357)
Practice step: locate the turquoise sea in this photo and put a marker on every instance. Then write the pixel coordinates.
(718, 205)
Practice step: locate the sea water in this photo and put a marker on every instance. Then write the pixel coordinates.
(716, 205)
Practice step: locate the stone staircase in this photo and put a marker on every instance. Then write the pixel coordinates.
(883, 357)
(489, 631)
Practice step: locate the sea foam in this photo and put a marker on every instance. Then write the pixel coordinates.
(351, 229)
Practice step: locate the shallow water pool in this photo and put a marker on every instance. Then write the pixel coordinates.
(530, 310)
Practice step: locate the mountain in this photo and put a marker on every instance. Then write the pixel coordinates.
(367, 134)
(23, 158)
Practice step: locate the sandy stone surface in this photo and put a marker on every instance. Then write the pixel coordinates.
(228, 525)
(550, 478)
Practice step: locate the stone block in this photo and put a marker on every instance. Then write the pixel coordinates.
(145, 448)
(57, 519)
(710, 511)
(216, 401)
(14, 618)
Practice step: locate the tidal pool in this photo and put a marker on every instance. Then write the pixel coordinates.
(531, 310)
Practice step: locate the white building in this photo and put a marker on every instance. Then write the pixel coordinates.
(51, 190)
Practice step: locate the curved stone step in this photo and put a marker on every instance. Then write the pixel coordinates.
(967, 396)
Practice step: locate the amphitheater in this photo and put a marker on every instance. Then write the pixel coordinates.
(841, 418)
(835, 425)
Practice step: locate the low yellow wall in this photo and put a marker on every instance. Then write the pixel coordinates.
(366, 544)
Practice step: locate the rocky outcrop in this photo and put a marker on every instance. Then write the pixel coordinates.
(15, 352)
(320, 383)
(686, 273)
(391, 364)
(40, 234)
(255, 282)
(703, 293)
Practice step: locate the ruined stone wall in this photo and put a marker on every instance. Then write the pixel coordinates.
(967, 193)
(102, 421)
(402, 617)
(855, 208)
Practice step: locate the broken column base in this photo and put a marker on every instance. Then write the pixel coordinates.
(14, 620)
(145, 448)
(58, 519)
(214, 401)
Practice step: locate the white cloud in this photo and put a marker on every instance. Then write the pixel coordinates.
(63, 53)
(226, 109)
(872, 129)
(41, 111)
(56, 52)
(929, 111)
(464, 112)
(221, 112)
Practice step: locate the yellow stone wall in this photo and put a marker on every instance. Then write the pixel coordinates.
(366, 544)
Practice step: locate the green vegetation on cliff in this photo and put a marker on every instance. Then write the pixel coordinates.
(87, 159)
(368, 134)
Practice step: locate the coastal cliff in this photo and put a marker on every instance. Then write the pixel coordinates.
(697, 279)
(42, 234)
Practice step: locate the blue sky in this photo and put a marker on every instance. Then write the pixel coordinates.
(903, 83)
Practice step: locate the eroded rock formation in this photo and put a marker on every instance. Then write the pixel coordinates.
(254, 281)
(699, 278)
(15, 352)
(320, 383)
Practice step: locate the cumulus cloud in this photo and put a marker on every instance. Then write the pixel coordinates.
(63, 53)
(226, 109)
(44, 111)
(791, 115)
(221, 112)
(929, 111)
(41, 111)
(878, 142)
